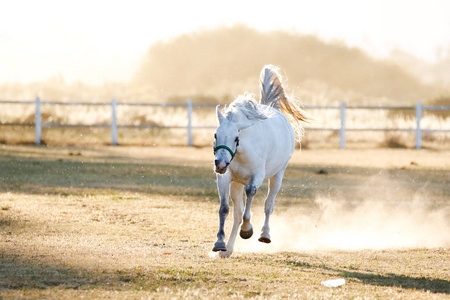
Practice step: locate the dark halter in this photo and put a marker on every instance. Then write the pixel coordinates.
(233, 154)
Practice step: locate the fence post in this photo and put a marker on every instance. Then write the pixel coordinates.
(189, 125)
(114, 122)
(37, 122)
(418, 129)
(342, 129)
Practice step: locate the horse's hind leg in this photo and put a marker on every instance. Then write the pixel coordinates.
(274, 188)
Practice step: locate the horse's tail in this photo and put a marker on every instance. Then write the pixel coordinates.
(273, 94)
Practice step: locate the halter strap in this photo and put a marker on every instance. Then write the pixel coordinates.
(226, 148)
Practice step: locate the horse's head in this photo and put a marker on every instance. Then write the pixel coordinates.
(226, 142)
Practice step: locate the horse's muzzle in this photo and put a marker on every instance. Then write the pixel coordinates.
(221, 166)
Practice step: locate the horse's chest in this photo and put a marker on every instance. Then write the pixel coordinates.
(241, 174)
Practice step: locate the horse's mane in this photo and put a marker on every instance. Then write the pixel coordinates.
(245, 106)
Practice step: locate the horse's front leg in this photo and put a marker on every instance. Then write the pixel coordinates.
(250, 191)
(236, 191)
(223, 185)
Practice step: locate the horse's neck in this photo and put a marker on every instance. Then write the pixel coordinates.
(237, 117)
(252, 137)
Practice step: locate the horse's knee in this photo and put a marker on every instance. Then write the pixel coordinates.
(250, 190)
(224, 210)
(268, 209)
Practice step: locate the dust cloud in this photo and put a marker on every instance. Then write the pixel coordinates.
(339, 225)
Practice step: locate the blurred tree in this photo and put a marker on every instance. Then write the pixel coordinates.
(226, 61)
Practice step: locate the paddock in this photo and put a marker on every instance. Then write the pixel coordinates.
(139, 222)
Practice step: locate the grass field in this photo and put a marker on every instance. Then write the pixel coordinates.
(139, 222)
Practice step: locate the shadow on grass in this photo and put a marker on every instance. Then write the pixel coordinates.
(36, 176)
(18, 274)
(388, 280)
(405, 282)
(301, 183)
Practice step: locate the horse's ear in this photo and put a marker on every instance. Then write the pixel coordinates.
(242, 126)
(220, 117)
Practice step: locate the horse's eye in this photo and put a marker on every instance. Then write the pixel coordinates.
(215, 136)
(237, 141)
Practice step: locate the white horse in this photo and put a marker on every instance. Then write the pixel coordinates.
(253, 142)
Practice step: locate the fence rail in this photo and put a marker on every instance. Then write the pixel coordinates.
(38, 124)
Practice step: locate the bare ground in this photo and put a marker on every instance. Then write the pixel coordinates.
(134, 222)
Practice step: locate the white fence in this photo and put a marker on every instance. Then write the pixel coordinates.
(38, 124)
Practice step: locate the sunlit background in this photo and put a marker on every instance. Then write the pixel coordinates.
(358, 52)
(96, 42)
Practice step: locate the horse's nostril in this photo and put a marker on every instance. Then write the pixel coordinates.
(216, 162)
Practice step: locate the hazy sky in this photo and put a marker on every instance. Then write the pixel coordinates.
(96, 41)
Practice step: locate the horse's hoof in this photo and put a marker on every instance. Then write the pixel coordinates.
(246, 234)
(225, 254)
(264, 239)
(219, 246)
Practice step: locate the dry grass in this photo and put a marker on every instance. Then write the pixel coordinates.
(132, 222)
